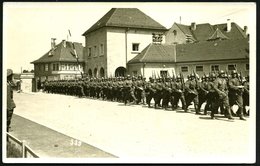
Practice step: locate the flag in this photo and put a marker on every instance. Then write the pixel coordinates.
(75, 52)
(69, 33)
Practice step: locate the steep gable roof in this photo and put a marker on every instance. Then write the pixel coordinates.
(62, 54)
(235, 33)
(155, 53)
(202, 31)
(126, 17)
(213, 50)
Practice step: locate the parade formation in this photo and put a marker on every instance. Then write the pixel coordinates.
(219, 91)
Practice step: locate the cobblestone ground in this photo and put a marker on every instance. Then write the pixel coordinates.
(138, 133)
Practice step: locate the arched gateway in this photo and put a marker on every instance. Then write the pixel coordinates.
(120, 72)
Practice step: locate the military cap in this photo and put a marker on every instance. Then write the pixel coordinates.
(9, 72)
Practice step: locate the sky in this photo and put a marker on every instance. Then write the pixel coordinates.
(29, 27)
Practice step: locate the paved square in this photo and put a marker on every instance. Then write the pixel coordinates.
(138, 132)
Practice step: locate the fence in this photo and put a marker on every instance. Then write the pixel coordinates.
(27, 152)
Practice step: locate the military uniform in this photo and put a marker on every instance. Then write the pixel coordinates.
(235, 94)
(150, 91)
(9, 97)
(178, 94)
(220, 86)
(246, 96)
(192, 93)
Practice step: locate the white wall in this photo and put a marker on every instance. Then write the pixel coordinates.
(117, 52)
(26, 85)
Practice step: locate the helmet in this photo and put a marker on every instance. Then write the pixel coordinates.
(221, 72)
(233, 72)
(212, 75)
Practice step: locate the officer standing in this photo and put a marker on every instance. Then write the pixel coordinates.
(10, 102)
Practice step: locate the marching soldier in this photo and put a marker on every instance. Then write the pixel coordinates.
(178, 94)
(150, 91)
(220, 86)
(166, 93)
(192, 93)
(235, 93)
(203, 91)
(158, 93)
(129, 90)
(212, 95)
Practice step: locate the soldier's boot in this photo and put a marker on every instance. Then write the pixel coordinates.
(241, 115)
(197, 109)
(229, 116)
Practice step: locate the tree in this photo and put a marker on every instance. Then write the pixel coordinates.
(25, 71)
(32, 71)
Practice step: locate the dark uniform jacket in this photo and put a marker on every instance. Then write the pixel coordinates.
(10, 102)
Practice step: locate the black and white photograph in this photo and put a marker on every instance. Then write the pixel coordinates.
(129, 82)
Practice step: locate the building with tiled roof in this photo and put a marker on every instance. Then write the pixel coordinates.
(116, 38)
(60, 62)
(201, 57)
(179, 33)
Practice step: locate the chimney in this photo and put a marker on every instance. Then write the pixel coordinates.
(64, 43)
(193, 26)
(245, 29)
(228, 25)
(53, 43)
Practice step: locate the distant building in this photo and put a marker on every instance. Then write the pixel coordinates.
(26, 82)
(116, 38)
(60, 62)
(202, 57)
(180, 34)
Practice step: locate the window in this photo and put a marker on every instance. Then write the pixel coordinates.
(163, 73)
(89, 51)
(135, 47)
(232, 67)
(174, 32)
(215, 68)
(95, 51)
(101, 49)
(57, 67)
(184, 69)
(63, 67)
(247, 66)
(46, 67)
(53, 67)
(199, 68)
